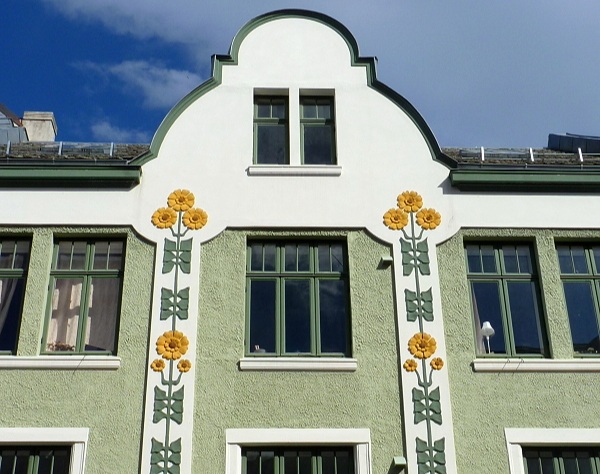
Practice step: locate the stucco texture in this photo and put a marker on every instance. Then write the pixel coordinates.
(229, 398)
(108, 402)
(483, 404)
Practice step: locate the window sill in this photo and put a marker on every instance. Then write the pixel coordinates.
(536, 365)
(311, 364)
(54, 362)
(293, 170)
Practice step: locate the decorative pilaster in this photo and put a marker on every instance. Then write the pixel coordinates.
(169, 394)
(426, 395)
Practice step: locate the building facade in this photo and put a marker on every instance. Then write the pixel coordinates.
(293, 277)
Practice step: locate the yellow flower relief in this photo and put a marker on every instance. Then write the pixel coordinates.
(429, 219)
(410, 365)
(437, 363)
(422, 345)
(180, 200)
(164, 218)
(195, 219)
(172, 345)
(184, 365)
(410, 201)
(158, 365)
(395, 219)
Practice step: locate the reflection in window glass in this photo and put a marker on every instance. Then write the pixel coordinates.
(581, 285)
(301, 306)
(505, 296)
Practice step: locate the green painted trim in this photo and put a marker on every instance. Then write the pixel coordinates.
(556, 181)
(19, 176)
(218, 61)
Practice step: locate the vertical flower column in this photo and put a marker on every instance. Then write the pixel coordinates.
(179, 217)
(431, 457)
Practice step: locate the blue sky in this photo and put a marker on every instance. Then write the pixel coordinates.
(488, 73)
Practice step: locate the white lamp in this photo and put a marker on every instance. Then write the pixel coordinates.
(487, 331)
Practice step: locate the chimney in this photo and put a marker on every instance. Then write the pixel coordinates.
(40, 126)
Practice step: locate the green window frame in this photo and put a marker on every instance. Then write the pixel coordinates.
(85, 296)
(35, 460)
(580, 274)
(297, 299)
(505, 294)
(317, 123)
(298, 460)
(271, 133)
(559, 460)
(14, 262)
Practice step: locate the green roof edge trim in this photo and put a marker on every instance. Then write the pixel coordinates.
(16, 176)
(565, 180)
(219, 60)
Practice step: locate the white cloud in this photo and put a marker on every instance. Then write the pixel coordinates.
(104, 131)
(159, 87)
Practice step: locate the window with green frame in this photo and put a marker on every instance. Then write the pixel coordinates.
(85, 296)
(505, 296)
(557, 460)
(298, 460)
(297, 298)
(271, 135)
(318, 130)
(35, 460)
(580, 275)
(14, 260)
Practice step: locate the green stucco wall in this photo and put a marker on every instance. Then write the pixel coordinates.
(229, 398)
(108, 402)
(483, 404)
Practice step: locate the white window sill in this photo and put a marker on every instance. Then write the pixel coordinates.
(294, 170)
(316, 364)
(536, 365)
(58, 362)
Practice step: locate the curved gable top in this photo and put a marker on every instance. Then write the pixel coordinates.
(218, 61)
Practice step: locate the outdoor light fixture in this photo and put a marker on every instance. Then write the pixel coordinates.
(487, 331)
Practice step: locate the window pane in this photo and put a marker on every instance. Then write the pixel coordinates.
(11, 301)
(582, 316)
(324, 258)
(525, 317)
(22, 462)
(344, 462)
(103, 308)
(7, 458)
(290, 462)
(333, 316)
(324, 111)
(291, 258)
(318, 145)
(256, 257)
(524, 259)
(337, 258)
(262, 316)
(304, 463)
(108, 255)
(263, 108)
(596, 255)
(270, 257)
(297, 316)
(271, 144)
(510, 259)
(64, 320)
(278, 109)
(564, 259)
(7, 252)
(267, 462)
(309, 109)
(579, 261)
(328, 462)
(252, 459)
(487, 307)
(71, 255)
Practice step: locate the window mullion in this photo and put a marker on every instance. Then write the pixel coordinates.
(506, 315)
(315, 318)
